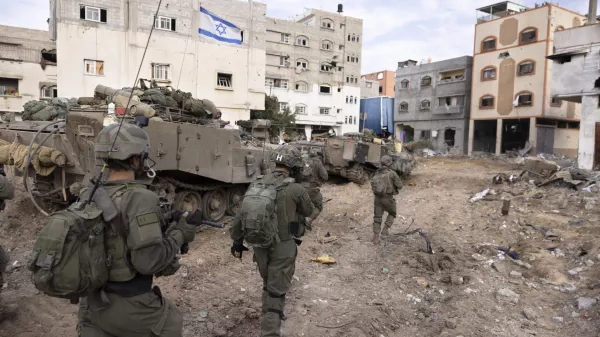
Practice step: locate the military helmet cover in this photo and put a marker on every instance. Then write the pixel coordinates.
(288, 156)
(131, 140)
(386, 161)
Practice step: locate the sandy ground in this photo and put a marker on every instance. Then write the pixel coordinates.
(393, 289)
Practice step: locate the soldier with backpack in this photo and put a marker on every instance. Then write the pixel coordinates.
(312, 176)
(7, 192)
(269, 221)
(385, 184)
(124, 247)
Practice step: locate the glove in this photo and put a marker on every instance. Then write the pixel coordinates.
(170, 269)
(237, 249)
(189, 231)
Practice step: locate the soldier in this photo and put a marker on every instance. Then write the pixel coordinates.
(276, 263)
(7, 192)
(312, 177)
(385, 184)
(128, 305)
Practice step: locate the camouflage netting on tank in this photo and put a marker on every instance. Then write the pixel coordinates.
(45, 160)
(403, 163)
(366, 137)
(53, 109)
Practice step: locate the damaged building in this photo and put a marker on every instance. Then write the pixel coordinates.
(576, 80)
(432, 102)
(512, 106)
(27, 68)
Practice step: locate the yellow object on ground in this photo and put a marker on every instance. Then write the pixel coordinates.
(324, 259)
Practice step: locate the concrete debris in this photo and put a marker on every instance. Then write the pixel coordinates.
(429, 153)
(516, 274)
(451, 323)
(499, 267)
(456, 280)
(589, 263)
(567, 288)
(584, 303)
(481, 195)
(421, 281)
(507, 295)
(530, 314)
(575, 271)
(558, 319)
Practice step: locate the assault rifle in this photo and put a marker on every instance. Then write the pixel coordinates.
(193, 218)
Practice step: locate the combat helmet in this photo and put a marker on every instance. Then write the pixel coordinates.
(386, 161)
(288, 156)
(130, 141)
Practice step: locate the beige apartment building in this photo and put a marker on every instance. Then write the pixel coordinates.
(512, 106)
(387, 82)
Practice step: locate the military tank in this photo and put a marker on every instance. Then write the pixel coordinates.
(198, 163)
(354, 159)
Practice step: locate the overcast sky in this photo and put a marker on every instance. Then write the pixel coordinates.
(393, 30)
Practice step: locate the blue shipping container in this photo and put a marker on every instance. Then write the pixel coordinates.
(377, 115)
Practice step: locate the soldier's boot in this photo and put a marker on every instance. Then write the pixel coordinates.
(8, 312)
(375, 239)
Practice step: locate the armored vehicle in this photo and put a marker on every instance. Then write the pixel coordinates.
(197, 166)
(355, 160)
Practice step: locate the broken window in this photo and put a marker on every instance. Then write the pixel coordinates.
(161, 72)
(529, 35)
(302, 64)
(404, 84)
(445, 101)
(425, 134)
(369, 84)
(449, 135)
(554, 101)
(164, 23)
(49, 55)
(327, 45)
(526, 68)
(90, 13)
(276, 83)
(93, 67)
(224, 80)
(488, 73)
(285, 38)
(426, 81)
(324, 89)
(525, 99)
(283, 61)
(300, 109)
(324, 111)
(486, 102)
(302, 41)
(302, 86)
(425, 105)
(380, 89)
(326, 68)
(489, 44)
(403, 107)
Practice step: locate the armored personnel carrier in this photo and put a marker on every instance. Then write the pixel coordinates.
(196, 165)
(354, 159)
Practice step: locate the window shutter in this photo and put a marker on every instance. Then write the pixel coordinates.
(82, 12)
(103, 15)
(173, 24)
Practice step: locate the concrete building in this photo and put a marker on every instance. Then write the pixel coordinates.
(432, 102)
(102, 42)
(313, 67)
(386, 81)
(512, 81)
(27, 67)
(368, 88)
(575, 68)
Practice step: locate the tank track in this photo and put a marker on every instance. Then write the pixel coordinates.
(200, 188)
(356, 175)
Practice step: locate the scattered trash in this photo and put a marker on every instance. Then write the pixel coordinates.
(328, 239)
(385, 270)
(470, 291)
(584, 303)
(576, 222)
(567, 288)
(429, 153)
(558, 319)
(478, 257)
(324, 259)
(507, 295)
(516, 274)
(421, 281)
(480, 195)
(505, 178)
(512, 254)
(557, 252)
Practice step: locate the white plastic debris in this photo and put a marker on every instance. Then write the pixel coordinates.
(480, 195)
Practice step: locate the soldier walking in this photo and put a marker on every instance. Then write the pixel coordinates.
(312, 177)
(385, 184)
(269, 222)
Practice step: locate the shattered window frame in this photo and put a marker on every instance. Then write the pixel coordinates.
(404, 84)
(325, 86)
(403, 107)
(425, 104)
(93, 67)
(426, 81)
(283, 106)
(302, 63)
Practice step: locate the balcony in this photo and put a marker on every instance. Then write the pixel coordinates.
(449, 110)
(11, 103)
(499, 10)
(451, 76)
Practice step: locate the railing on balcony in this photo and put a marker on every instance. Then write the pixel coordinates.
(447, 109)
(452, 80)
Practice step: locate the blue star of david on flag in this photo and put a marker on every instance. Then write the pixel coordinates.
(218, 28)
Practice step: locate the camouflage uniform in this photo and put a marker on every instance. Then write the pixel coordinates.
(7, 192)
(278, 264)
(313, 183)
(386, 202)
(129, 305)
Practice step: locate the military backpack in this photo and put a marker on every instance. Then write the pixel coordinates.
(381, 183)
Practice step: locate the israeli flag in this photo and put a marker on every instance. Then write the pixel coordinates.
(218, 28)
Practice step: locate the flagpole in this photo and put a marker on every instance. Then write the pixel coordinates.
(249, 55)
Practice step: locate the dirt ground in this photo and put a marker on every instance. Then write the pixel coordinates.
(394, 289)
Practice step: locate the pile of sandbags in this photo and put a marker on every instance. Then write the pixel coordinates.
(53, 109)
(45, 160)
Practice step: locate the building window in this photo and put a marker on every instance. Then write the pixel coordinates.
(404, 84)
(357, 38)
(327, 23)
(276, 83)
(357, 59)
(353, 37)
(346, 120)
(528, 35)
(403, 107)
(486, 102)
(302, 64)
(92, 67)
(369, 85)
(224, 80)
(48, 92)
(524, 98)
(327, 45)
(285, 38)
(161, 72)
(488, 73)
(90, 13)
(324, 89)
(426, 81)
(324, 111)
(349, 37)
(300, 109)
(282, 107)
(488, 44)
(526, 68)
(341, 47)
(347, 99)
(283, 61)
(425, 104)
(302, 41)
(326, 68)
(164, 23)
(355, 119)
(559, 28)
(445, 101)
(9, 86)
(302, 86)
(380, 89)
(554, 101)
